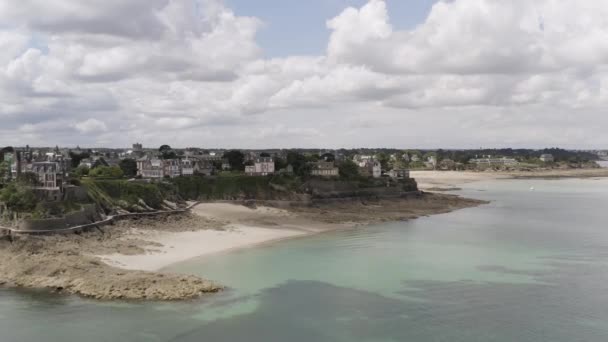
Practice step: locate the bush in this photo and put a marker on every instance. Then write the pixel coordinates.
(19, 197)
(110, 172)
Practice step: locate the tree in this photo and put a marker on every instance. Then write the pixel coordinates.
(165, 149)
(4, 171)
(279, 163)
(19, 197)
(81, 171)
(113, 172)
(265, 155)
(78, 157)
(167, 152)
(348, 169)
(99, 162)
(383, 159)
(235, 159)
(128, 167)
(328, 157)
(300, 164)
(28, 179)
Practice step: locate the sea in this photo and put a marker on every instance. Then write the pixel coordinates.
(532, 265)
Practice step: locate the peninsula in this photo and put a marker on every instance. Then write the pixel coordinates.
(105, 225)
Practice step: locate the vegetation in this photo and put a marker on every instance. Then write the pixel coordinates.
(109, 194)
(300, 163)
(236, 160)
(5, 170)
(19, 197)
(167, 152)
(232, 186)
(349, 170)
(78, 157)
(128, 167)
(81, 171)
(109, 172)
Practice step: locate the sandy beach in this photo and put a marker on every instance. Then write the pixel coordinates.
(127, 260)
(452, 180)
(241, 227)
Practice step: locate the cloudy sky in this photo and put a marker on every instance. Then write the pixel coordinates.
(315, 73)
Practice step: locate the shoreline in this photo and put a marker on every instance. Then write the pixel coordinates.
(442, 181)
(127, 261)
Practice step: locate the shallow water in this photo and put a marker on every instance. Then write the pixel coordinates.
(530, 266)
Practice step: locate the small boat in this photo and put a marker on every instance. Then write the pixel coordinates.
(532, 188)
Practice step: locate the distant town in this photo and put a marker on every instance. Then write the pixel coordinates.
(51, 169)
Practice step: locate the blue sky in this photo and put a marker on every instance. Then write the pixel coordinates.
(298, 27)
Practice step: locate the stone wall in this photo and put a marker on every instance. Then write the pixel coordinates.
(85, 216)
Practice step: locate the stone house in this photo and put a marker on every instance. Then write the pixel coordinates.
(371, 169)
(150, 168)
(172, 168)
(261, 167)
(324, 169)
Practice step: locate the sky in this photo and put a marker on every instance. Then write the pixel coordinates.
(309, 74)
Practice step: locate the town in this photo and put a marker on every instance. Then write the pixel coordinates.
(52, 170)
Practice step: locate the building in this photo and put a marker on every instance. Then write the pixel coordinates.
(376, 169)
(490, 161)
(204, 167)
(138, 150)
(150, 168)
(324, 169)
(370, 169)
(187, 166)
(261, 167)
(399, 174)
(547, 158)
(172, 168)
(50, 175)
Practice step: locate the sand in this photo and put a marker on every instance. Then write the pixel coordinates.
(452, 180)
(128, 260)
(241, 227)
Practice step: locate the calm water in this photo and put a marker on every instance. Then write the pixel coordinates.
(530, 266)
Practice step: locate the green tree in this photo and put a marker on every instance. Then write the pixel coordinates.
(235, 159)
(128, 167)
(99, 162)
(5, 170)
(28, 179)
(384, 160)
(300, 164)
(328, 157)
(167, 152)
(348, 169)
(279, 163)
(113, 172)
(81, 171)
(78, 157)
(19, 197)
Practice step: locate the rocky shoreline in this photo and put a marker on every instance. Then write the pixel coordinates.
(71, 264)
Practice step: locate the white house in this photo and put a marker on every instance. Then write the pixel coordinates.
(547, 158)
(262, 167)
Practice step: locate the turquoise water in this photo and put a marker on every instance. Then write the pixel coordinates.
(530, 266)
